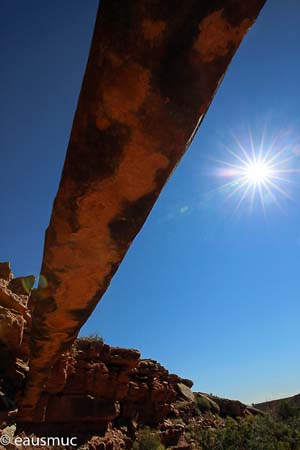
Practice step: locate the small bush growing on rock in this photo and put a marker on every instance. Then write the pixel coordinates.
(93, 337)
(203, 404)
(147, 439)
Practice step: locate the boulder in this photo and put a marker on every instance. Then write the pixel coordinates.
(5, 271)
(112, 440)
(12, 328)
(205, 403)
(185, 392)
(13, 301)
(255, 411)
(172, 434)
(232, 408)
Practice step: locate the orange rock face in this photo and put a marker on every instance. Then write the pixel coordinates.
(15, 324)
(152, 72)
(5, 271)
(98, 383)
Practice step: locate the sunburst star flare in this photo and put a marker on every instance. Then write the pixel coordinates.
(257, 172)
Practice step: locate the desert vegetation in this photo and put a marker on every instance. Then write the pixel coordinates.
(147, 439)
(279, 430)
(93, 337)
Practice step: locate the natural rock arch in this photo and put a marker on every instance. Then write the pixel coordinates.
(152, 72)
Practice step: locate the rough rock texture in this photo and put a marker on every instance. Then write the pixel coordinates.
(15, 324)
(152, 393)
(152, 72)
(5, 271)
(12, 328)
(98, 383)
(112, 440)
(232, 408)
(88, 383)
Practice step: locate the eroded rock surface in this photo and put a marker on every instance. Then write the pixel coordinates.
(15, 325)
(98, 383)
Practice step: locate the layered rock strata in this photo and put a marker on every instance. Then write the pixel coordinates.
(15, 326)
(98, 383)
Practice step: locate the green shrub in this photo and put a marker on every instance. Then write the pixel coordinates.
(286, 410)
(147, 439)
(203, 404)
(93, 337)
(252, 433)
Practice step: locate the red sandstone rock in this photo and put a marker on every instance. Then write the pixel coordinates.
(112, 440)
(5, 271)
(106, 377)
(15, 320)
(172, 434)
(12, 301)
(14, 338)
(12, 328)
(232, 408)
(151, 393)
(80, 408)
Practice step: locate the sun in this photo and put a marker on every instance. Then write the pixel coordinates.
(261, 172)
(258, 172)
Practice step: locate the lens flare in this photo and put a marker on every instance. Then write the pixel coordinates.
(258, 173)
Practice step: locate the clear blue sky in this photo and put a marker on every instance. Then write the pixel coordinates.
(211, 293)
